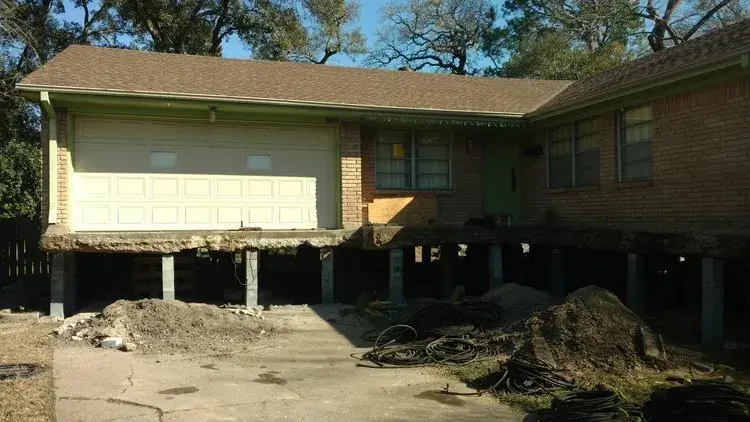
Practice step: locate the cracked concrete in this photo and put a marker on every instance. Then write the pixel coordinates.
(307, 374)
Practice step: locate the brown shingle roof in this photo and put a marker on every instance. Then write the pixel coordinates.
(723, 44)
(105, 69)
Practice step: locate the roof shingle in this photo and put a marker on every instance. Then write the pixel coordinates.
(725, 43)
(115, 70)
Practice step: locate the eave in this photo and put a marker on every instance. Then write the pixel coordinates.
(193, 101)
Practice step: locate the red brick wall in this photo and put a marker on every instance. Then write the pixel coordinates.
(454, 206)
(351, 175)
(701, 150)
(62, 167)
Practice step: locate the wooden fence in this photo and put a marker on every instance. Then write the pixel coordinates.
(21, 260)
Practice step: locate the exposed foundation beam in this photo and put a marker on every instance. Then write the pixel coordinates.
(396, 279)
(496, 266)
(326, 275)
(712, 304)
(167, 277)
(636, 294)
(688, 242)
(250, 259)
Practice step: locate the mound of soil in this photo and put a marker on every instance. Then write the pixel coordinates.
(161, 326)
(518, 302)
(590, 329)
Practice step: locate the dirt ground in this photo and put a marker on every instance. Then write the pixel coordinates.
(306, 373)
(27, 341)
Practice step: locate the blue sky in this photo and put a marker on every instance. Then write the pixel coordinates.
(233, 47)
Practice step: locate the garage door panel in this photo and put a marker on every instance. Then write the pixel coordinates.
(290, 184)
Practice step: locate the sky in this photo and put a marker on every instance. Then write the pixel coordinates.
(233, 47)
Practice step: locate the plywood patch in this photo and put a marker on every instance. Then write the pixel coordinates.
(403, 210)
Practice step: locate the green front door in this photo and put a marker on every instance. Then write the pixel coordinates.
(500, 174)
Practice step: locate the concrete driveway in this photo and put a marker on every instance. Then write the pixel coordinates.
(307, 374)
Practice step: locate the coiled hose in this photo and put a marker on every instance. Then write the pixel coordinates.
(700, 401)
(590, 406)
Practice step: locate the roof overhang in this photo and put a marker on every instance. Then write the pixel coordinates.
(730, 65)
(282, 106)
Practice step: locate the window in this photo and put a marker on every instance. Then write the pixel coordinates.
(412, 160)
(573, 154)
(586, 149)
(559, 159)
(258, 162)
(634, 144)
(163, 160)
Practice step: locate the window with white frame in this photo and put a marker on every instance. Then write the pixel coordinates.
(634, 144)
(573, 154)
(412, 160)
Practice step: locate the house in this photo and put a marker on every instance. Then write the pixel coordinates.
(151, 153)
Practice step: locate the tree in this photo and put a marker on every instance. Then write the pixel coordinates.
(20, 170)
(561, 39)
(550, 56)
(674, 21)
(442, 35)
(330, 31)
(196, 26)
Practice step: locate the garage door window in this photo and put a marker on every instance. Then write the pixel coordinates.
(259, 162)
(163, 160)
(412, 160)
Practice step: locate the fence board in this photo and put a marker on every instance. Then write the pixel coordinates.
(20, 256)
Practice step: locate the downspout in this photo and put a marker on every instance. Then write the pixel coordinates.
(746, 60)
(52, 148)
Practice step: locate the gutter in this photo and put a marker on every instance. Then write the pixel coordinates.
(52, 149)
(261, 101)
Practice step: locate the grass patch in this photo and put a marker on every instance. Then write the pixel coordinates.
(31, 399)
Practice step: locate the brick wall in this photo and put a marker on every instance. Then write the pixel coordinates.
(462, 202)
(62, 167)
(351, 175)
(701, 150)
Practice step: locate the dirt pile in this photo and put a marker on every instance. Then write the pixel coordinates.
(518, 302)
(590, 329)
(172, 327)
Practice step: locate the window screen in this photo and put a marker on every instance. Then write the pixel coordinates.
(634, 144)
(163, 160)
(586, 153)
(559, 158)
(412, 160)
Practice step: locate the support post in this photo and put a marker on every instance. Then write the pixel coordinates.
(326, 275)
(448, 268)
(396, 280)
(496, 266)
(250, 258)
(57, 286)
(636, 282)
(167, 277)
(712, 310)
(71, 288)
(558, 272)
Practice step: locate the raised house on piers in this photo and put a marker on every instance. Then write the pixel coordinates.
(150, 155)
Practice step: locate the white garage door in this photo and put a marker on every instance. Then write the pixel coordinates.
(166, 175)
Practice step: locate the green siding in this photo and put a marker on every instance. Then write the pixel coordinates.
(499, 162)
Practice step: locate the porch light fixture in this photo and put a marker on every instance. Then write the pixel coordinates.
(212, 114)
(469, 144)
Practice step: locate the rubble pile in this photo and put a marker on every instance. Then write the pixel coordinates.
(592, 329)
(154, 325)
(518, 302)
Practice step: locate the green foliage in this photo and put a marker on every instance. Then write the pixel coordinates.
(552, 57)
(561, 39)
(20, 175)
